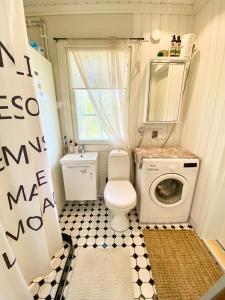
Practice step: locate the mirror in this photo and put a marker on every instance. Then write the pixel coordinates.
(164, 85)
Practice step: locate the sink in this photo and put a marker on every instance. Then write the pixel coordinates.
(79, 157)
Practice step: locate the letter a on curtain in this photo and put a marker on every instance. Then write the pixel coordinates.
(29, 227)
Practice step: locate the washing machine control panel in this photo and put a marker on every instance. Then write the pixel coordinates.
(162, 167)
(153, 167)
(190, 165)
(172, 167)
(169, 166)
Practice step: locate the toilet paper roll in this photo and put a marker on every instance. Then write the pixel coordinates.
(188, 39)
(186, 51)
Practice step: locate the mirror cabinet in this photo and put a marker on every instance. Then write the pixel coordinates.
(165, 80)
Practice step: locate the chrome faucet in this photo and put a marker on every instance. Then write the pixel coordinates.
(81, 149)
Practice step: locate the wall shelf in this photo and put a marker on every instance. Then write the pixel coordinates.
(170, 59)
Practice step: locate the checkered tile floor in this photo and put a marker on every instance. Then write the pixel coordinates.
(88, 225)
(46, 287)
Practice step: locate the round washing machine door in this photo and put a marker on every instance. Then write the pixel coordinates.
(169, 190)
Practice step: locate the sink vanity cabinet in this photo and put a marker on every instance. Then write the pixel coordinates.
(80, 173)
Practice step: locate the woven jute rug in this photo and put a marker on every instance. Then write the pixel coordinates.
(182, 267)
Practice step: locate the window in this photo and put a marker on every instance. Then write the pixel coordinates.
(97, 60)
(89, 127)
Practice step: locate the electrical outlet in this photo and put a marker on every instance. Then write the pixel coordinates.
(156, 131)
(155, 134)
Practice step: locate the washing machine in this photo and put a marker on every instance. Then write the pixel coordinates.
(165, 189)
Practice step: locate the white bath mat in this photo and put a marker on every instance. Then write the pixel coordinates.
(101, 274)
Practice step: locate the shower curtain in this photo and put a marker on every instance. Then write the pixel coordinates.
(29, 227)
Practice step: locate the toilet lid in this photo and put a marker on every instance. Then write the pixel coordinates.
(120, 193)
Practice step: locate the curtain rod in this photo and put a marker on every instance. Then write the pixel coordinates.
(64, 39)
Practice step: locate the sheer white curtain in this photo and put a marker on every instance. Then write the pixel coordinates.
(136, 97)
(107, 66)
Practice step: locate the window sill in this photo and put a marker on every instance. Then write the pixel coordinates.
(97, 146)
(89, 142)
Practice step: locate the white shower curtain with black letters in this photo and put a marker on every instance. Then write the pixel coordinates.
(29, 227)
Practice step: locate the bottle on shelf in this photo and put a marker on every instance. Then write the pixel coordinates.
(76, 150)
(71, 147)
(173, 46)
(178, 46)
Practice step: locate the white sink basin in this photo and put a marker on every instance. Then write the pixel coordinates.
(79, 158)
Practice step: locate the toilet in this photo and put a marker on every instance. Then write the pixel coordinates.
(119, 194)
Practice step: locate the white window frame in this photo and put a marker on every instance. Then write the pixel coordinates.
(92, 141)
(70, 128)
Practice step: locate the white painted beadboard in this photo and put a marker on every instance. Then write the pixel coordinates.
(60, 7)
(204, 115)
(69, 2)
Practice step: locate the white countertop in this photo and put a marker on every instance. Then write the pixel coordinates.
(79, 157)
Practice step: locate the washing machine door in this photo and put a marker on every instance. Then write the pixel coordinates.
(169, 190)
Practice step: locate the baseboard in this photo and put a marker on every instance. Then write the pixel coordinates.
(192, 223)
(217, 258)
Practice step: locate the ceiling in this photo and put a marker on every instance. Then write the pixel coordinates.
(67, 2)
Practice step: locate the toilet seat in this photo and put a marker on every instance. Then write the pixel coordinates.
(120, 194)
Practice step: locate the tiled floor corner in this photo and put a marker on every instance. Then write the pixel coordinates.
(88, 225)
(45, 287)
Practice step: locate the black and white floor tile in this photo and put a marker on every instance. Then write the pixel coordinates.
(88, 225)
(45, 287)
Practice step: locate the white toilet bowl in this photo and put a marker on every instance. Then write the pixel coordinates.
(120, 198)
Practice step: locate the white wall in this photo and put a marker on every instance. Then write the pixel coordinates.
(204, 117)
(118, 25)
